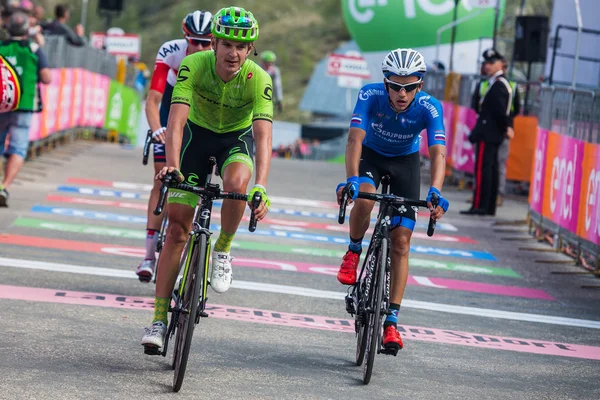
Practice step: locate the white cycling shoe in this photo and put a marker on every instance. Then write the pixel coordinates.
(155, 335)
(222, 275)
(145, 271)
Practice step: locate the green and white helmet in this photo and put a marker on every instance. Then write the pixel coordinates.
(268, 56)
(235, 23)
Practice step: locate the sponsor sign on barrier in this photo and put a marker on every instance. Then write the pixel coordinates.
(81, 98)
(536, 191)
(589, 211)
(463, 151)
(562, 186)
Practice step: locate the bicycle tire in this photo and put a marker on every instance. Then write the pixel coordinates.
(361, 338)
(375, 323)
(193, 285)
(182, 262)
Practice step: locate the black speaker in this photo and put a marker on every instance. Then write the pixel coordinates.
(531, 38)
(110, 5)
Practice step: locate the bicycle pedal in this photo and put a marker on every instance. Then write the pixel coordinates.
(390, 351)
(203, 314)
(152, 351)
(350, 309)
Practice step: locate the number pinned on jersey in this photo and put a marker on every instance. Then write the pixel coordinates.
(180, 75)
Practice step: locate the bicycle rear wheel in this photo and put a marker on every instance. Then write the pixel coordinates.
(193, 280)
(374, 317)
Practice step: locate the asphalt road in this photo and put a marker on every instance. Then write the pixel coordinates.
(482, 318)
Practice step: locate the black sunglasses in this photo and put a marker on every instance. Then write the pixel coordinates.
(198, 42)
(409, 87)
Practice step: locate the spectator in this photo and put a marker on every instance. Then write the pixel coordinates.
(31, 65)
(494, 124)
(515, 108)
(268, 59)
(35, 30)
(59, 26)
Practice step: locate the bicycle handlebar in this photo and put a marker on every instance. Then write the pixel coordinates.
(147, 143)
(170, 182)
(387, 198)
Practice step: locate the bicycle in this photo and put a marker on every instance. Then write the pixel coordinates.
(368, 299)
(189, 299)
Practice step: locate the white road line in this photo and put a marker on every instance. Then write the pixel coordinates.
(314, 293)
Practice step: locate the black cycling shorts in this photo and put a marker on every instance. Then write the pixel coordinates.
(200, 143)
(405, 174)
(160, 153)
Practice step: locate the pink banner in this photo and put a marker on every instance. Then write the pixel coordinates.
(589, 206)
(88, 97)
(536, 192)
(565, 170)
(51, 95)
(100, 99)
(449, 109)
(35, 130)
(463, 152)
(66, 100)
(77, 111)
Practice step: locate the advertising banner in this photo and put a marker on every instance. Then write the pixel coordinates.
(589, 207)
(562, 180)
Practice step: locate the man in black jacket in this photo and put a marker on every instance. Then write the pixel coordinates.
(59, 27)
(491, 129)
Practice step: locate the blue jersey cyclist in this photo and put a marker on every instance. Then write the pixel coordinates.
(384, 139)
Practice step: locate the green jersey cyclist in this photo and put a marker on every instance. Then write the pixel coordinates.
(384, 139)
(221, 106)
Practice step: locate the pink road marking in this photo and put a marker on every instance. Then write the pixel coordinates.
(308, 268)
(276, 223)
(96, 202)
(245, 314)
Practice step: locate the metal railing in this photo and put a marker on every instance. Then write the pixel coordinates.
(61, 54)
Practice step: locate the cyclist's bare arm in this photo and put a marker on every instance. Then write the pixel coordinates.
(353, 151)
(177, 119)
(152, 109)
(437, 154)
(263, 137)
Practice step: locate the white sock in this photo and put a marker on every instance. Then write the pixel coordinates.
(151, 240)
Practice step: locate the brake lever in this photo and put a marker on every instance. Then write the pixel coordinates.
(164, 188)
(256, 200)
(431, 227)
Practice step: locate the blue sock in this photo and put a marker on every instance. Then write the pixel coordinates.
(392, 319)
(355, 245)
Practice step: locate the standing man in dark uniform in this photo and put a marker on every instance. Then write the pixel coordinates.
(491, 129)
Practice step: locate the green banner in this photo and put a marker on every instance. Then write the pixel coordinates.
(123, 111)
(383, 25)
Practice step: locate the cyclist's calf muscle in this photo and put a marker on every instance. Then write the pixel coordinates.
(180, 224)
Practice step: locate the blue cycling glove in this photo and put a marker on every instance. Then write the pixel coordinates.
(442, 202)
(353, 189)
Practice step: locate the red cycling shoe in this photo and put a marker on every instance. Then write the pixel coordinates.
(347, 272)
(392, 339)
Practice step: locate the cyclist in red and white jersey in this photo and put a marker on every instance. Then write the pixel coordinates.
(196, 27)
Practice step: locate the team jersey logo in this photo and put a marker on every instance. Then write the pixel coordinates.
(268, 93)
(249, 76)
(181, 77)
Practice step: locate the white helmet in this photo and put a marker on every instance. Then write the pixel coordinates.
(404, 62)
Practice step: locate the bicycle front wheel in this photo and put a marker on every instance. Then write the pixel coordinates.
(193, 281)
(375, 325)
(362, 316)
